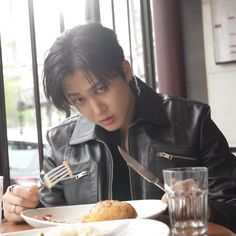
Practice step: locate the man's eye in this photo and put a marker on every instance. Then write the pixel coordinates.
(78, 101)
(100, 89)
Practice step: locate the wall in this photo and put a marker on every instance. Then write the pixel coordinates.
(206, 81)
(194, 57)
(221, 82)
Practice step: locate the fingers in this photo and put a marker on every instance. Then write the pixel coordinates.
(34, 190)
(12, 212)
(165, 198)
(183, 198)
(17, 199)
(185, 186)
(22, 196)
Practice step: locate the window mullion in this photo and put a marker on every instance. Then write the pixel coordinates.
(149, 62)
(4, 159)
(36, 82)
(92, 11)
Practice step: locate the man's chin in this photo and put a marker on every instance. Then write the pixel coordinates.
(110, 128)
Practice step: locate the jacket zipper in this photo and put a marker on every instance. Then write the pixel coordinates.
(171, 156)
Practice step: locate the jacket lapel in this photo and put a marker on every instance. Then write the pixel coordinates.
(150, 105)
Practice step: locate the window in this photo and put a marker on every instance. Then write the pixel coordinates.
(126, 21)
(28, 28)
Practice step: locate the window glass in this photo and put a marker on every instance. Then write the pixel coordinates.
(106, 13)
(121, 25)
(74, 12)
(18, 77)
(136, 39)
(18, 72)
(130, 42)
(18, 83)
(47, 29)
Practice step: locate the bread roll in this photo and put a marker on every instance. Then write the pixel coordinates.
(110, 210)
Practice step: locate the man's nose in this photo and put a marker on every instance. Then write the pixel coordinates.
(97, 106)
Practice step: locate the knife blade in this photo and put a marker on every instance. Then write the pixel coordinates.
(140, 169)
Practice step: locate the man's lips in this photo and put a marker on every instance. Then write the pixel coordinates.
(107, 121)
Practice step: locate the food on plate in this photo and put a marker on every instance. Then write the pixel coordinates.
(50, 218)
(110, 210)
(73, 231)
(47, 217)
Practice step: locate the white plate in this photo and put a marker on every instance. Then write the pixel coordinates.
(131, 227)
(73, 214)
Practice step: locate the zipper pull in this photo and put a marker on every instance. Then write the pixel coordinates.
(164, 155)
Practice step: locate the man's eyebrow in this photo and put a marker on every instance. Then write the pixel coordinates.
(73, 94)
(91, 87)
(94, 85)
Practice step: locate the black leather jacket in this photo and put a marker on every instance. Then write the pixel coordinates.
(163, 124)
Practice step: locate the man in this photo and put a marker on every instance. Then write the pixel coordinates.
(85, 70)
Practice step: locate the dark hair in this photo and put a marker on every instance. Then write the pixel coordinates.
(91, 48)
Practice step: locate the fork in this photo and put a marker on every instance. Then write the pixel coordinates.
(58, 174)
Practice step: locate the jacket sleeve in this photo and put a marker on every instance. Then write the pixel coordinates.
(54, 196)
(215, 154)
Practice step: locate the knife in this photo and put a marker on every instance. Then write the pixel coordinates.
(140, 169)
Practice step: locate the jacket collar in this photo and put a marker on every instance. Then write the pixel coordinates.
(149, 108)
(149, 104)
(83, 131)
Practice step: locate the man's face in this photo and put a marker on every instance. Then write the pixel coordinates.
(109, 106)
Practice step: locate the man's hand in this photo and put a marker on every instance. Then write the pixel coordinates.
(17, 199)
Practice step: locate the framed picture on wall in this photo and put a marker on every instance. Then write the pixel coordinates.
(224, 30)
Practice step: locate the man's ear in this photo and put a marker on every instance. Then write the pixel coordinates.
(127, 70)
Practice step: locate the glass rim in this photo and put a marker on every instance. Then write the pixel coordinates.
(185, 169)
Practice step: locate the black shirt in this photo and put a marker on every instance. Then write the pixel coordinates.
(121, 185)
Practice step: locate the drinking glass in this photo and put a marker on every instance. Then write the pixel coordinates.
(187, 190)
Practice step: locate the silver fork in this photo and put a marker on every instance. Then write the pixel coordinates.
(60, 173)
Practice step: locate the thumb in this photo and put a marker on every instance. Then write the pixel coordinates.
(33, 193)
(165, 198)
(33, 189)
